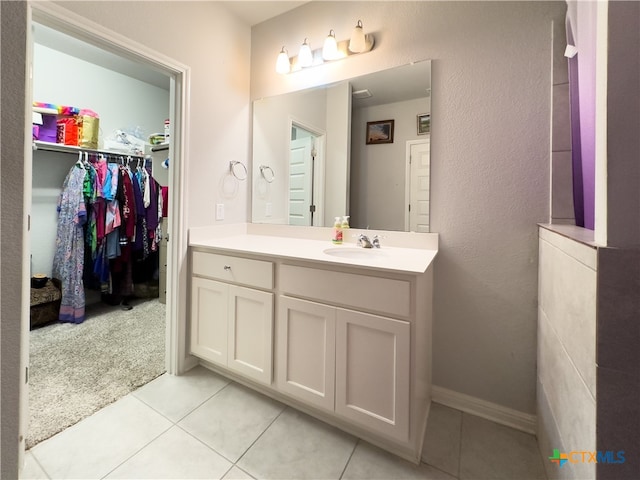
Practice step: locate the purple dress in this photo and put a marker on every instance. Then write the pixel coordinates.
(68, 261)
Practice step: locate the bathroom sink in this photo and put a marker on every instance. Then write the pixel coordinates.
(355, 253)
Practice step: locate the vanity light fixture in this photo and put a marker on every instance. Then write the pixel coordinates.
(332, 50)
(305, 57)
(282, 63)
(357, 41)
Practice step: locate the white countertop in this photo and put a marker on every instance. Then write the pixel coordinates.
(397, 259)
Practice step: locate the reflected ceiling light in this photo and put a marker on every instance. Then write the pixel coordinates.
(305, 57)
(357, 43)
(282, 63)
(330, 49)
(359, 94)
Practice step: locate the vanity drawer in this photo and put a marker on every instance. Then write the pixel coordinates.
(384, 295)
(254, 273)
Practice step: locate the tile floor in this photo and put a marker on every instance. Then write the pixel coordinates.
(200, 425)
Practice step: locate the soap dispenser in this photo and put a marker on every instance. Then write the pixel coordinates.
(345, 225)
(337, 231)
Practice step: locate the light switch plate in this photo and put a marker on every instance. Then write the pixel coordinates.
(220, 211)
(268, 210)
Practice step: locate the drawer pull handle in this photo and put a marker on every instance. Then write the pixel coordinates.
(227, 267)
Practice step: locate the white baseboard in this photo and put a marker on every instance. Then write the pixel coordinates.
(488, 410)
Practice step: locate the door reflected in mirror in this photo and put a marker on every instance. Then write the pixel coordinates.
(314, 146)
(306, 161)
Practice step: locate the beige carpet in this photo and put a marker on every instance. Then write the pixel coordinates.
(76, 370)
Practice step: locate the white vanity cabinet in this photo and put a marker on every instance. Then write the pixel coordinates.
(232, 325)
(344, 345)
(352, 363)
(372, 372)
(306, 351)
(347, 341)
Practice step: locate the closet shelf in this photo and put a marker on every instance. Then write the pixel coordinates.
(58, 147)
(160, 147)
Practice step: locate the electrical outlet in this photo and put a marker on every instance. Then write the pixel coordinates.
(220, 211)
(268, 211)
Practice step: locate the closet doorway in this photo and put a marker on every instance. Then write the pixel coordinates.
(53, 35)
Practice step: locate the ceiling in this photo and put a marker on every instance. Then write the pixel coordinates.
(254, 12)
(406, 82)
(251, 12)
(69, 45)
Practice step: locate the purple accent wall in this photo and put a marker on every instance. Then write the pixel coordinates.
(585, 36)
(576, 150)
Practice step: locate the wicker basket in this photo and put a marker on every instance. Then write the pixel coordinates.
(45, 303)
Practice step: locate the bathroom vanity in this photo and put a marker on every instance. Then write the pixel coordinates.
(340, 332)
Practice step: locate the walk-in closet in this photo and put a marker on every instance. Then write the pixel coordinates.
(99, 228)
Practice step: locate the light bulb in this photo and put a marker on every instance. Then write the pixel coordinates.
(330, 49)
(282, 64)
(305, 57)
(357, 41)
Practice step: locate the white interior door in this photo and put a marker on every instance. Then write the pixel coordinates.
(300, 181)
(419, 180)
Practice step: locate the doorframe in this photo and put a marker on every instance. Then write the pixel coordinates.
(407, 179)
(88, 31)
(318, 166)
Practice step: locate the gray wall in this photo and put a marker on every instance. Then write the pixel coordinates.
(490, 149)
(13, 68)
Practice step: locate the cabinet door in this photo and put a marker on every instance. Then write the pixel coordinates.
(209, 319)
(305, 352)
(251, 333)
(372, 372)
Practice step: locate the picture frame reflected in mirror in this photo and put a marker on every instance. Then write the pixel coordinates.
(424, 123)
(380, 131)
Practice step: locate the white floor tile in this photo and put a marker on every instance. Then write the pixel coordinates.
(177, 396)
(32, 469)
(131, 439)
(442, 441)
(297, 446)
(101, 442)
(232, 420)
(371, 463)
(174, 455)
(492, 451)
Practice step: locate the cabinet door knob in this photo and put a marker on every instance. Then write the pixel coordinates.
(227, 267)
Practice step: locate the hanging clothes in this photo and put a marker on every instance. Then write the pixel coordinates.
(109, 226)
(68, 261)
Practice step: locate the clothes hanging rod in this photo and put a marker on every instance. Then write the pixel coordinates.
(58, 147)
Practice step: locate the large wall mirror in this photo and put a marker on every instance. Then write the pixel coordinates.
(359, 147)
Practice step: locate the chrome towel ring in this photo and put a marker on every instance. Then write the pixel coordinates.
(267, 173)
(240, 172)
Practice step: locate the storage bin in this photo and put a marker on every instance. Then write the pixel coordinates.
(45, 303)
(69, 130)
(45, 124)
(90, 129)
(48, 129)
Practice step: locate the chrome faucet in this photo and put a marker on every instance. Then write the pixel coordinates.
(364, 242)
